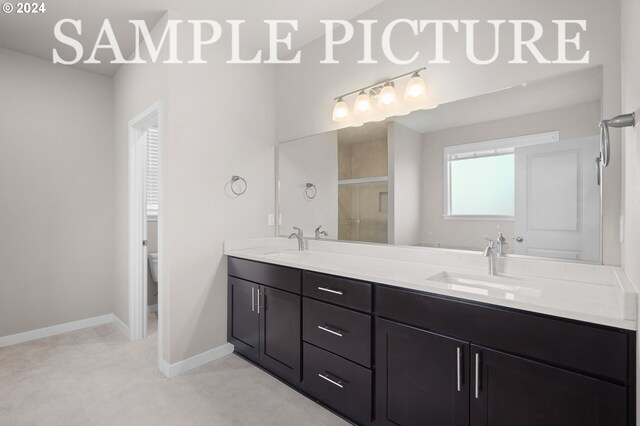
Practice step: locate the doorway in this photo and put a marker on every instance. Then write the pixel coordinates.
(145, 224)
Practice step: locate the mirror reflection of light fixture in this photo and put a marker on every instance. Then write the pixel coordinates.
(387, 97)
(416, 90)
(384, 93)
(340, 110)
(362, 105)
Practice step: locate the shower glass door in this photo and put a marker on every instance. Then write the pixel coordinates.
(363, 211)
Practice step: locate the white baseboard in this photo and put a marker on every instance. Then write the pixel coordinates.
(172, 370)
(152, 308)
(121, 325)
(27, 336)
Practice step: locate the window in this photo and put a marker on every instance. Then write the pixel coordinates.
(153, 173)
(480, 177)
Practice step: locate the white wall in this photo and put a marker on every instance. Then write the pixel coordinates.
(222, 123)
(630, 103)
(572, 122)
(315, 160)
(219, 121)
(135, 88)
(405, 183)
(459, 79)
(56, 194)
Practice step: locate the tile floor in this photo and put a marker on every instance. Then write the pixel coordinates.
(98, 377)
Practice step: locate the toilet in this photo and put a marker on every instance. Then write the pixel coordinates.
(153, 266)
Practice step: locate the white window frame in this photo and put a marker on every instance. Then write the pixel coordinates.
(481, 149)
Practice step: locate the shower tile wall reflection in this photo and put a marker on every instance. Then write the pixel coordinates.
(363, 202)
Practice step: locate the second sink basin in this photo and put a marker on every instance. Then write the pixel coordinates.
(490, 286)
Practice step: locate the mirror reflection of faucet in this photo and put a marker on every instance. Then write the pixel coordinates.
(320, 234)
(502, 244)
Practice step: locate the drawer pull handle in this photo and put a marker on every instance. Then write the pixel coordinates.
(329, 290)
(477, 375)
(458, 367)
(253, 300)
(333, 382)
(328, 330)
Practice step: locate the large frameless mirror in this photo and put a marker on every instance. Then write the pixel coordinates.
(518, 164)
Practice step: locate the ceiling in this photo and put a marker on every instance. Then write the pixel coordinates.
(33, 34)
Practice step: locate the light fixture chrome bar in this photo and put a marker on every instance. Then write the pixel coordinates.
(379, 84)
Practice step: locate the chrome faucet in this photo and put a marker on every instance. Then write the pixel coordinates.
(320, 234)
(299, 236)
(490, 253)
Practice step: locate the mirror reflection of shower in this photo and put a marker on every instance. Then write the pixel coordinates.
(363, 201)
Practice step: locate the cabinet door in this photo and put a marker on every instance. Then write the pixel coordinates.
(280, 332)
(511, 391)
(244, 321)
(421, 378)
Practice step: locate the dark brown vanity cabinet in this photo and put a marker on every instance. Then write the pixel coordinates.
(514, 391)
(538, 370)
(422, 378)
(264, 316)
(337, 339)
(384, 355)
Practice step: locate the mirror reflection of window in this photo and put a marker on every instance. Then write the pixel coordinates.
(480, 177)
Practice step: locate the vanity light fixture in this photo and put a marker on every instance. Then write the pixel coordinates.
(387, 97)
(340, 110)
(416, 90)
(383, 93)
(362, 105)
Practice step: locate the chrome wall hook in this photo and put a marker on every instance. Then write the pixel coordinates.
(235, 179)
(624, 120)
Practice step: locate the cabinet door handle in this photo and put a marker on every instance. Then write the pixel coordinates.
(253, 301)
(258, 291)
(333, 382)
(329, 290)
(328, 330)
(477, 375)
(458, 367)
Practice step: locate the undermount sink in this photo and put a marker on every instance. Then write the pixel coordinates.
(489, 286)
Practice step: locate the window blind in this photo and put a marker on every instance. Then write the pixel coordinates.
(153, 173)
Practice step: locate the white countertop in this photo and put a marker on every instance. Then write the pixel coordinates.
(611, 302)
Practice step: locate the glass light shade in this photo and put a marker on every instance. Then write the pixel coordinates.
(387, 96)
(362, 105)
(340, 111)
(416, 90)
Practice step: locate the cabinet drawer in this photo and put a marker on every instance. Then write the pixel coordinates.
(594, 350)
(340, 291)
(341, 331)
(338, 383)
(281, 277)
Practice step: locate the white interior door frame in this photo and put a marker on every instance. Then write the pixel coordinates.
(138, 223)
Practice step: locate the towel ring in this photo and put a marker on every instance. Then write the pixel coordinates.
(310, 191)
(235, 179)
